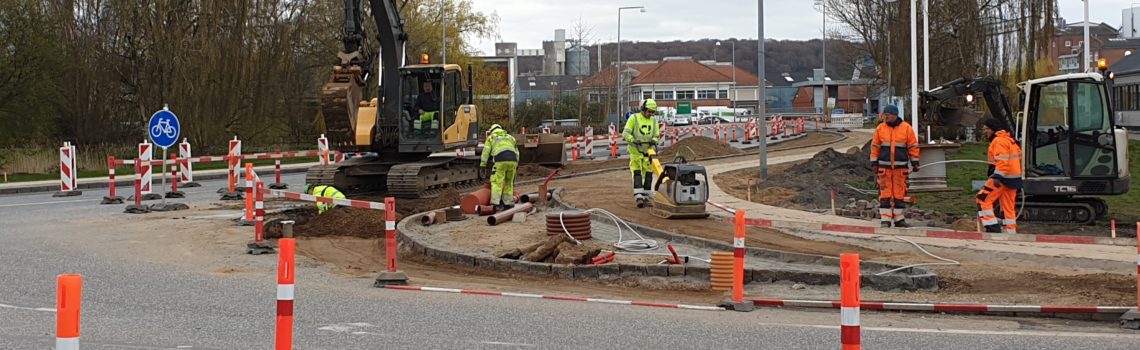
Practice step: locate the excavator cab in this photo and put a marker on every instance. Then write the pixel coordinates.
(436, 113)
(1070, 141)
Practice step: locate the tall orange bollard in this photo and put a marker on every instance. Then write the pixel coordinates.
(391, 276)
(69, 296)
(285, 282)
(850, 333)
(247, 213)
(737, 302)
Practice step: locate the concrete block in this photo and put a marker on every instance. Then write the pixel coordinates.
(657, 270)
(465, 260)
(699, 273)
(609, 270)
(482, 262)
(676, 270)
(519, 218)
(563, 271)
(536, 268)
(586, 271)
(631, 270)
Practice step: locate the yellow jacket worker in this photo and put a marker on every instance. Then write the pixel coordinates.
(501, 147)
(640, 134)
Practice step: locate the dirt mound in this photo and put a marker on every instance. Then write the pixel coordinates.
(532, 171)
(414, 206)
(808, 185)
(339, 221)
(701, 147)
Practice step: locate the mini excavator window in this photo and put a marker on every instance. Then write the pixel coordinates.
(1070, 133)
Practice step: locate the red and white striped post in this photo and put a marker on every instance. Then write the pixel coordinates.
(138, 182)
(277, 170)
(247, 216)
(186, 166)
(339, 157)
(174, 193)
(259, 213)
(390, 232)
(589, 142)
(67, 171)
(111, 198)
(738, 257)
(146, 155)
(323, 149)
(613, 146)
(69, 298)
(850, 333)
(286, 268)
(573, 147)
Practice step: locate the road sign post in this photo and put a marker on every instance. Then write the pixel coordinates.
(163, 131)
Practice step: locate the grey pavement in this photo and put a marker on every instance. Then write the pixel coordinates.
(132, 299)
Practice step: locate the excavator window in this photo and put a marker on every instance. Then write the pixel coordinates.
(1050, 143)
(421, 106)
(1093, 140)
(453, 95)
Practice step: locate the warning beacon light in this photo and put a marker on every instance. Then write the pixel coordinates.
(424, 59)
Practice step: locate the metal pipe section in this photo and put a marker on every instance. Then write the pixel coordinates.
(427, 219)
(506, 215)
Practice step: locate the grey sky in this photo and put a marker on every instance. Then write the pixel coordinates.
(528, 22)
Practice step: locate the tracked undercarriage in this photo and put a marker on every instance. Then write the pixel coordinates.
(427, 178)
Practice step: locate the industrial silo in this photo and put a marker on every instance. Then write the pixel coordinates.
(577, 61)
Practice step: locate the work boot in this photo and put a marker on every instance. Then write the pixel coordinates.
(885, 224)
(993, 228)
(498, 207)
(508, 206)
(901, 224)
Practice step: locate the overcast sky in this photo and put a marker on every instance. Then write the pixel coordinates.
(529, 22)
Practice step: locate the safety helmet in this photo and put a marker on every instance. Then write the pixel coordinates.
(494, 127)
(649, 104)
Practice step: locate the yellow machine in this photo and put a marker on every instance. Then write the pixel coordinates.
(680, 191)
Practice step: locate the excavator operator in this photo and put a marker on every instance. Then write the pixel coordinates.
(893, 148)
(427, 105)
(1004, 181)
(641, 133)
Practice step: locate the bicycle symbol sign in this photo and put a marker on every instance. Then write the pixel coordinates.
(163, 128)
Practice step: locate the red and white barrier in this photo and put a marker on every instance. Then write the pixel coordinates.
(185, 165)
(68, 172)
(234, 159)
(286, 280)
(327, 200)
(146, 154)
(390, 232)
(943, 307)
(589, 143)
(323, 149)
(111, 176)
(69, 299)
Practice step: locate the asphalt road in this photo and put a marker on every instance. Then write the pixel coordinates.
(145, 289)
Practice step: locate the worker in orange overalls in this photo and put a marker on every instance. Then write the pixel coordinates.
(1005, 178)
(894, 148)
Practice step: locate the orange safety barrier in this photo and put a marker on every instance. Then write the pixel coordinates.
(248, 192)
(850, 332)
(111, 176)
(174, 174)
(285, 281)
(738, 257)
(138, 183)
(390, 232)
(69, 296)
(259, 213)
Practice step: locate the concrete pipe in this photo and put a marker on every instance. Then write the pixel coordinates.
(474, 199)
(506, 215)
(484, 210)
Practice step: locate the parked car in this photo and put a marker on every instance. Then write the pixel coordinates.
(678, 120)
(712, 119)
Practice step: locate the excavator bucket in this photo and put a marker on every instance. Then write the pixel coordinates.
(542, 149)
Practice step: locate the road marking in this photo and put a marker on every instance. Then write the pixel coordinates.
(969, 331)
(44, 309)
(43, 203)
(506, 344)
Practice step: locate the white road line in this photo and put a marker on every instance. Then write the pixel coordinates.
(44, 309)
(45, 203)
(506, 344)
(969, 331)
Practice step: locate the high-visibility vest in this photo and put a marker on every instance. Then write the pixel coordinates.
(894, 146)
(643, 129)
(1005, 157)
(501, 147)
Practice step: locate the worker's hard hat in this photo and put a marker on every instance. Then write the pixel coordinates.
(649, 104)
(494, 127)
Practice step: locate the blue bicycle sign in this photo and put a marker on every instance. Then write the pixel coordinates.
(163, 128)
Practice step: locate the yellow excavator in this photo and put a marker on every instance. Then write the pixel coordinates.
(410, 131)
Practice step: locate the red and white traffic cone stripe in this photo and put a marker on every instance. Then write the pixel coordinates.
(259, 213)
(111, 176)
(249, 192)
(69, 298)
(285, 293)
(850, 333)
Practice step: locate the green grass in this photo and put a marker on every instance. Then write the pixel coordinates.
(126, 170)
(1123, 208)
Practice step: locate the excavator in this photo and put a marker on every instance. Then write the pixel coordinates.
(1072, 150)
(409, 131)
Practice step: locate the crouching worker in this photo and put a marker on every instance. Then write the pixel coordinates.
(324, 191)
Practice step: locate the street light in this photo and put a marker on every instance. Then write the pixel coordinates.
(620, 93)
(823, 8)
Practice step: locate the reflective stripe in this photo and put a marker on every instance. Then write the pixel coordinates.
(67, 343)
(258, 205)
(1009, 222)
(389, 225)
(738, 242)
(284, 292)
(988, 222)
(884, 210)
(1006, 176)
(986, 212)
(849, 316)
(1012, 231)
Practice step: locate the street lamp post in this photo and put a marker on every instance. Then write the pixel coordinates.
(734, 90)
(619, 92)
(914, 63)
(762, 94)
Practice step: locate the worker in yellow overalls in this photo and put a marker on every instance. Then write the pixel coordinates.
(503, 149)
(642, 133)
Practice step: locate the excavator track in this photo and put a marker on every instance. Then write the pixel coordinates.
(431, 177)
(1078, 211)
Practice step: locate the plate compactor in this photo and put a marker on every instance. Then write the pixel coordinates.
(680, 191)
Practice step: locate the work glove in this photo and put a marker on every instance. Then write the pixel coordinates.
(875, 168)
(914, 167)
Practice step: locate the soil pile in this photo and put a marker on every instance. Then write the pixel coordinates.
(415, 206)
(526, 171)
(808, 185)
(339, 221)
(702, 147)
